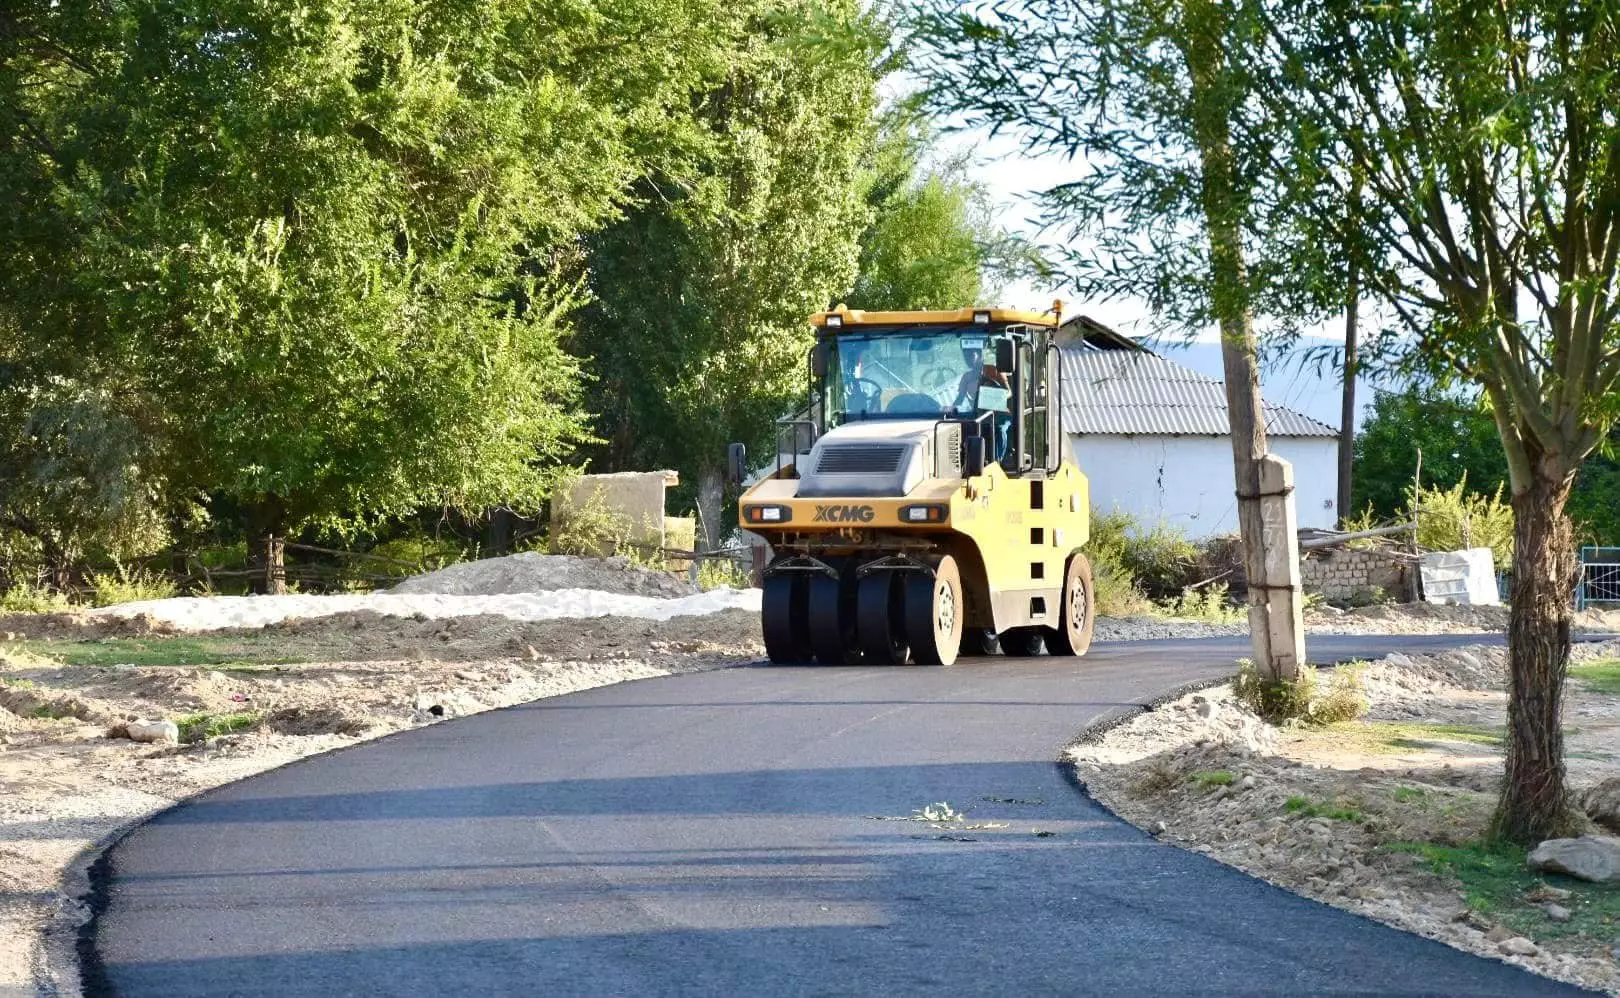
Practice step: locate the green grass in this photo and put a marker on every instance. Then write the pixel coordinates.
(201, 727)
(1408, 795)
(1604, 677)
(1494, 881)
(1213, 778)
(1411, 735)
(1318, 809)
(190, 650)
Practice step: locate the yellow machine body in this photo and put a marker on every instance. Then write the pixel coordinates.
(975, 551)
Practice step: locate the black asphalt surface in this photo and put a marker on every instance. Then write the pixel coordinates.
(720, 833)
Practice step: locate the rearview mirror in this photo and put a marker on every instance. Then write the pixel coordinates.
(736, 464)
(820, 358)
(1006, 357)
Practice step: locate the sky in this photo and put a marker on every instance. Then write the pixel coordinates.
(1011, 176)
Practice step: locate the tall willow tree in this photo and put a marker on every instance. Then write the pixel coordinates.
(698, 333)
(325, 241)
(1487, 149)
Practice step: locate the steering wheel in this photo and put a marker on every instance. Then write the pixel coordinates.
(866, 395)
(937, 379)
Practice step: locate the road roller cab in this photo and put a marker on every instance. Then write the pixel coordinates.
(923, 506)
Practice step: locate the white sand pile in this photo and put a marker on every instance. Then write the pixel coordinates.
(210, 613)
(533, 572)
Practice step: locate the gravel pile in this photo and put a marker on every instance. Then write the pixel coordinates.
(532, 572)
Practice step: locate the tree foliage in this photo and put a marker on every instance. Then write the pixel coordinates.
(331, 243)
(1462, 156)
(697, 333)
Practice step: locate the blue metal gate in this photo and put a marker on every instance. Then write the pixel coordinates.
(1600, 577)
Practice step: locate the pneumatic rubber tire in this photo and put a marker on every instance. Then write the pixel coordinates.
(832, 620)
(878, 612)
(783, 612)
(1073, 636)
(934, 613)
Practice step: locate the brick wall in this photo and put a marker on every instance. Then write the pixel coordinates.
(1343, 575)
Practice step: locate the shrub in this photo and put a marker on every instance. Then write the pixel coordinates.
(1130, 564)
(125, 586)
(201, 727)
(1212, 605)
(1301, 699)
(592, 528)
(1454, 519)
(26, 597)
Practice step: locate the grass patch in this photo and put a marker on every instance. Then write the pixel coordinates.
(1213, 778)
(1302, 699)
(186, 650)
(1495, 883)
(1603, 677)
(201, 727)
(1305, 807)
(1409, 795)
(1402, 734)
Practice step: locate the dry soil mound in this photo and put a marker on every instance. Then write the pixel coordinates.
(532, 572)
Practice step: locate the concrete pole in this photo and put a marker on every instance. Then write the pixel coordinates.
(1280, 615)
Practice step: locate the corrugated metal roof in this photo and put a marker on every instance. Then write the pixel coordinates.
(1136, 392)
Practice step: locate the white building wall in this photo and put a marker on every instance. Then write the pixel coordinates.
(1186, 482)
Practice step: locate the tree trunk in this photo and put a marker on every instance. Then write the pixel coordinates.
(1534, 804)
(1347, 412)
(711, 505)
(267, 548)
(58, 562)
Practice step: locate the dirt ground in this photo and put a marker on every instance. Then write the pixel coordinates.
(1382, 815)
(247, 702)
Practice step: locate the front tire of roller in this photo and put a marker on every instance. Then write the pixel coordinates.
(1073, 636)
(878, 609)
(832, 621)
(934, 614)
(784, 612)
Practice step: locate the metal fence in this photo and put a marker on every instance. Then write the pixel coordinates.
(1600, 577)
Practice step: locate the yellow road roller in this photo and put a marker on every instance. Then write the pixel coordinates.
(923, 505)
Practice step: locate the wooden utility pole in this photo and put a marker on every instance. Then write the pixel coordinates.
(1347, 416)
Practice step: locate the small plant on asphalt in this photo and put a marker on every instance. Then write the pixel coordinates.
(1301, 699)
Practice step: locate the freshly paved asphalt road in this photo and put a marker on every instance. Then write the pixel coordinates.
(717, 834)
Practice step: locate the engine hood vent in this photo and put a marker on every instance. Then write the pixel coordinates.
(861, 459)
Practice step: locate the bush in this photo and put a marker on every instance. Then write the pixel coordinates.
(1212, 605)
(592, 528)
(1130, 564)
(26, 597)
(1454, 519)
(124, 586)
(1301, 698)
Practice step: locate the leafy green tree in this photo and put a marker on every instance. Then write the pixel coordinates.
(1458, 157)
(331, 241)
(1456, 437)
(698, 333)
(1482, 141)
(1458, 440)
(1151, 97)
